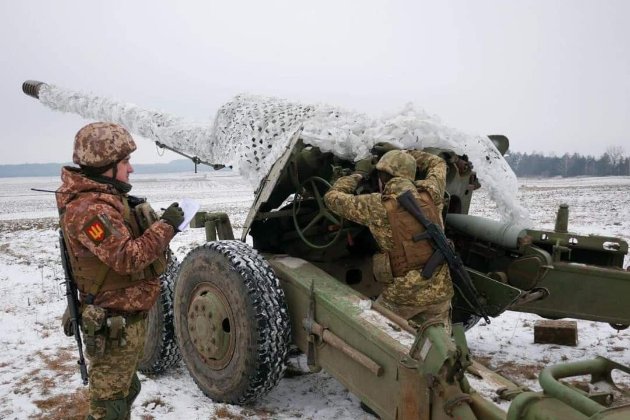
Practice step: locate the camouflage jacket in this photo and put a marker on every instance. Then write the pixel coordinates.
(81, 201)
(412, 290)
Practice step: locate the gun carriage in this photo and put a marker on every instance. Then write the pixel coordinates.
(308, 280)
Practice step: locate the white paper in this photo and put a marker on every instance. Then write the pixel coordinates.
(190, 207)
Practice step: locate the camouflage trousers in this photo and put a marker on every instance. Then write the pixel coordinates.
(420, 317)
(114, 384)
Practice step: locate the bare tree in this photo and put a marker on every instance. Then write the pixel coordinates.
(616, 154)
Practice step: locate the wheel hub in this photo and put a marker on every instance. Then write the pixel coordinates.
(209, 326)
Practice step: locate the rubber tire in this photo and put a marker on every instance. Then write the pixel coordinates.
(160, 349)
(260, 321)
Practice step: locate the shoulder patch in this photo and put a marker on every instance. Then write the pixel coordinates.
(97, 229)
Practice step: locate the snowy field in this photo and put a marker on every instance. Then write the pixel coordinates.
(38, 374)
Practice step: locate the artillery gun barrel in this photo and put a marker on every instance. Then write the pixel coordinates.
(31, 88)
(189, 139)
(504, 234)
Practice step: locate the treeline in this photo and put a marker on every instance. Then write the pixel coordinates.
(535, 164)
(54, 169)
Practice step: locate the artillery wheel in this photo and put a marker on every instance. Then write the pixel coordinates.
(323, 214)
(160, 347)
(231, 321)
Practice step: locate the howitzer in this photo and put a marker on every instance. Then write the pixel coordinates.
(73, 305)
(236, 309)
(444, 252)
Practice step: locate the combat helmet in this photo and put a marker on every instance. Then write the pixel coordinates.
(101, 145)
(398, 163)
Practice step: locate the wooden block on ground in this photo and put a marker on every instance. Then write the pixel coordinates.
(556, 332)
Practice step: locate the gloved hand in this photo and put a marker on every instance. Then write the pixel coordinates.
(364, 167)
(173, 215)
(383, 147)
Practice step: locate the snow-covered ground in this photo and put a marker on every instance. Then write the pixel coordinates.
(38, 374)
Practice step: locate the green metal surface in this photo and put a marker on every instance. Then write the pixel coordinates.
(497, 296)
(583, 292)
(337, 307)
(501, 142)
(562, 401)
(485, 409)
(616, 413)
(604, 251)
(343, 311)
(333, 224)
(562, 219)
(535, 406)
(581, 273)
(217, 225)
(600, 370)
(207, 316)
(552, 387)
(504, 234)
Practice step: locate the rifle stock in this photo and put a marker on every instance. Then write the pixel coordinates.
(73, 304)
(459, 274)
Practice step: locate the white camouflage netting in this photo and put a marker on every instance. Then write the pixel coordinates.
(250, 133)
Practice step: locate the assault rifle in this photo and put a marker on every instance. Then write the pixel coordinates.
(73, 305)
(460, 276)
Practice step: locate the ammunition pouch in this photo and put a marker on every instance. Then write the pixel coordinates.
(116, 330)
(102, 329)
(116, 325)
(382, 268)
(93, 320)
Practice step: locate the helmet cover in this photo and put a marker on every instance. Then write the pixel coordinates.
(398, 163)
(101, 144)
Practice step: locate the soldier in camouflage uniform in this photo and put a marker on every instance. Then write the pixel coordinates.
(115, 262)
(400, 260)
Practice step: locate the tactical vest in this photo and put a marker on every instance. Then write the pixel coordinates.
(93, 276)
(407, 254)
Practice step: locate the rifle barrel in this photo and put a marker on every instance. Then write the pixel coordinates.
(73, 304)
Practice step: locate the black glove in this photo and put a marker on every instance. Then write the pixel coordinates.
(364, 167)
(383, 147)
(173, 215)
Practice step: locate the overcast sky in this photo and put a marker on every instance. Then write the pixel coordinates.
(554, 76)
